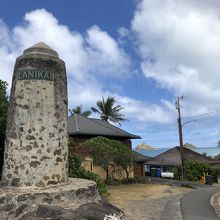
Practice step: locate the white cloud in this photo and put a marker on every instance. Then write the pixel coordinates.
(85, 57)
(143, 111)
(179, 43)
(123, 32)
(106, 56)
(215, 133)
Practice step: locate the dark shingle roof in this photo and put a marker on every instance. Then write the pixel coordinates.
(140, 157)
(78, 124)
(171, 157)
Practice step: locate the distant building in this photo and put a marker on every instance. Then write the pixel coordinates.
(172, 158)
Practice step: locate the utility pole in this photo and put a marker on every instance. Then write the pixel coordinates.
(180, 133)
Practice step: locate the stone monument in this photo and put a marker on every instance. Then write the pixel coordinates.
(35, 182)
(36, 140)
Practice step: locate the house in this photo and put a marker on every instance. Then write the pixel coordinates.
(172, 158)
(82, 128)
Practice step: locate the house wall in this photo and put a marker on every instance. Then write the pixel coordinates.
(116, 171)
(139, 169)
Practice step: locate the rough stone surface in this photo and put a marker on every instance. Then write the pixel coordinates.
(95, 210)
(34, 182)
(27, 202)
(36, 140)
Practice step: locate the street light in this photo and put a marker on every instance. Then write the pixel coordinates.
(180, 125)
(194, 120)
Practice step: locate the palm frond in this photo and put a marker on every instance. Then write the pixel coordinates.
(108, 111)
(78, 110)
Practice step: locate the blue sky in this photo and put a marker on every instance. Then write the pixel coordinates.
(145, 53)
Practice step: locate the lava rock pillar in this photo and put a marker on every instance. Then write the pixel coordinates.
(36, 148)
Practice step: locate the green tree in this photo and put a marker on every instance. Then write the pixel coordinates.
(78, 110)
(108, 153)
(77, 171)
(102, 151)
(194, 170)
(108, 110)
(123, 157)
(3, 111)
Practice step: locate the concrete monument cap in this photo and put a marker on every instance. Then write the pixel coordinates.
(41, 48)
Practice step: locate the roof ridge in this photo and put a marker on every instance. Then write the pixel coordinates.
(76, 121)
(208, 158)
(176, 147)
(94, 126)
(92, 119)
(140, 154)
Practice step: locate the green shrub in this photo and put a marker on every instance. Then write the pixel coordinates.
(131, 180)
(140, 179)
(195, 170)
(176, 172)
(98, 179)
(112, 181)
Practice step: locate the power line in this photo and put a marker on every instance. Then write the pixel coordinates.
(201, 115)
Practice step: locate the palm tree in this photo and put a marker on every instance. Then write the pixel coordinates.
(78, 110)
(109, 112)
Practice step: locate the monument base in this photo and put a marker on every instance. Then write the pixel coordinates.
(75, 199)
(16, 202)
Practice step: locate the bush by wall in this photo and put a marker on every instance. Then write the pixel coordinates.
(195, 170)
(77, 171)
(176, 171)
(130, 180)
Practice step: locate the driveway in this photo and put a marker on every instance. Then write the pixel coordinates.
(196, 204)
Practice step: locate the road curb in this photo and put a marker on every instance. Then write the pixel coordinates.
(215, 202)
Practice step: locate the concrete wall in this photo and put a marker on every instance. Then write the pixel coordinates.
(116, 171)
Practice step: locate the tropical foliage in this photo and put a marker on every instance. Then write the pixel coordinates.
(108, 153)
(108, 111)
(79, 111)
(77, 171)
(102, 152)
(195, 170)
(123, 157)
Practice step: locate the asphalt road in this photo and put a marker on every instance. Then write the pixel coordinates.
(196, 204)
